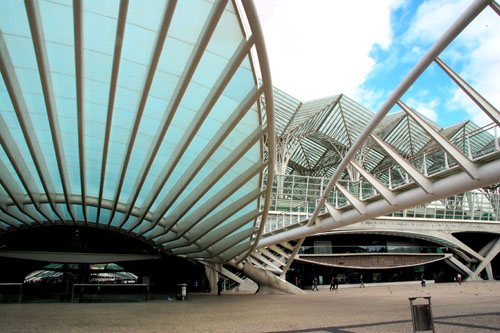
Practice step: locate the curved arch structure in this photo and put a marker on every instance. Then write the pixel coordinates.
(142, 117)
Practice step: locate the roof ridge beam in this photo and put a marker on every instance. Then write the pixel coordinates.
(19, 164)
(216, 219)
(120, 31)
(203, 158)
(80, 94)
(202, 242)
(146, 86)
(38, 39)
(13, 190)
(210, 180)
(193, 128)
(237, 248)
(16, 96)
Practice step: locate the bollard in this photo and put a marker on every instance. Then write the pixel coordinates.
(421, 315)
(182, 292)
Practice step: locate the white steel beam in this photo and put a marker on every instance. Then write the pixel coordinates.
(355, 202)
(146, 86)
(282, 253)
(467, 16)
(191, 131)
(38, 38)
(224, 245)
(495, 6)
(170, 220)
(265, 73)
(193, 219)
(79, 74)
(466, 164)
(486, 106)
(419, 178)
(455, 183)
(276, 260)
(267, 262)
(492, 253)
(120, 31)
(202, 158)
(387, 194)
(12, 188)
(23, 116)
(19, 164)
(200, 243)
(217, 199)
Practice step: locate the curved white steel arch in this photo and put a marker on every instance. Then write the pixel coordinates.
(116, 113)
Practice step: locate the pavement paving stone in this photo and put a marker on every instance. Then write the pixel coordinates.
(470, 307)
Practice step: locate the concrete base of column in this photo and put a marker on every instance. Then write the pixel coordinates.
(267, 281)
(213, 276)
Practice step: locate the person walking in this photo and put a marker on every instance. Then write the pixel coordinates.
(332, 283)
(335, 283)
(315, 284)
(220, 282)
(362, 284)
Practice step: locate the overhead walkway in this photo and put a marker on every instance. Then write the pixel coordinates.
(435, 221)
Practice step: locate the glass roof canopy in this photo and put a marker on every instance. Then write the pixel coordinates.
(314, 136)
(138, 116)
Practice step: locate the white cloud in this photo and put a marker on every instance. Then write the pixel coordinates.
(321, 48)
(482, 69)
(427, 109)
(475, 53)
(433, 18)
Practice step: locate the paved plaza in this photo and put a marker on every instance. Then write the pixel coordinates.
(471, 307)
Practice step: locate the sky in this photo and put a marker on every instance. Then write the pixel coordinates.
(364, 48)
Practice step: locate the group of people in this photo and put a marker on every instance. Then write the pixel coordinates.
(334, 284)
(423, 283)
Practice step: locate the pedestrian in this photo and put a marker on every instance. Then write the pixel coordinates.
(219, 286)
(459, 279)
(362, 284)
(315, 284)
(422, 280)
(335, 283)
(332, 283)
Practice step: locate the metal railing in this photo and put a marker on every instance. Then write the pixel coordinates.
(294, 197)
(360, 249)
(470, 206)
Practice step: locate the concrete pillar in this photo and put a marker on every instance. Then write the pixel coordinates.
(489, 272)
(212, 271)
(267, 281)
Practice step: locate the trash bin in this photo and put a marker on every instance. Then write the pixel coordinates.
(421, 315)
(182, 293)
